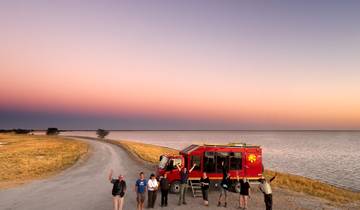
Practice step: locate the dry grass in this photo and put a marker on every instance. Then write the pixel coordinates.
(146, 152)
(300, 184)
(313, 187)
(27, 157)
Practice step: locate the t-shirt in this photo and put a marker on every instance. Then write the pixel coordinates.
(184, 177)
(152, 184)
(244, 188)
(141, 185)
(266, 188)
(205, 183)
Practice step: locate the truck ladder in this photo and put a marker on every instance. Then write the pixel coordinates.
(195, 187)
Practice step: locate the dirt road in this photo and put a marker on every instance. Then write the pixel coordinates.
(83, 186)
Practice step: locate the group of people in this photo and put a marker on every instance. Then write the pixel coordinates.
(152, 186)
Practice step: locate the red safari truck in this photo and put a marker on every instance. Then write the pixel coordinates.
(241, 159)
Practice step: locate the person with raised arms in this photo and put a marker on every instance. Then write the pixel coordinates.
(184, 176)
(118, 191)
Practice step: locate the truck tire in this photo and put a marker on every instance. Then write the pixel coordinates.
(175, 187)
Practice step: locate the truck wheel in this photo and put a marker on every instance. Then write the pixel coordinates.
(175, 187)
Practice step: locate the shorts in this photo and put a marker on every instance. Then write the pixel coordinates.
(140, 197)
(223, 191)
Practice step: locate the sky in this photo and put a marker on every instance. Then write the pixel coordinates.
(180, 64)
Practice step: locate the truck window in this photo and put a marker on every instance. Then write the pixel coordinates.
(197, 160)
(209, 162)
(235, 161)
(221, 156)
(172, 164)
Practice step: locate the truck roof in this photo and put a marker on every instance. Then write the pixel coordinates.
(193, 147)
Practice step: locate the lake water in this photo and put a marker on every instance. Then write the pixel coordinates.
(329, 156)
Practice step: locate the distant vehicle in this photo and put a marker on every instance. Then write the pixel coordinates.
(240, 159)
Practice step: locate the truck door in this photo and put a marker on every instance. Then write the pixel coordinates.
(197, 171)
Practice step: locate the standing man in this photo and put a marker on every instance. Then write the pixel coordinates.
(140, 189)
(152, 187)
(164, 186)
(118, 191)
(265, 187)
(184, 175)
(205, 182)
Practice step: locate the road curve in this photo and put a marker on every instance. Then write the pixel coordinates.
(83, 186)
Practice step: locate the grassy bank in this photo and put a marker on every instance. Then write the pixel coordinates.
(300, 184)
(27, 157)
(147, 152)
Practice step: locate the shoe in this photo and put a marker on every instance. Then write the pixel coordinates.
(184, 203)
(219, 203)
(179, 204)
(165, 204)
(225, 204)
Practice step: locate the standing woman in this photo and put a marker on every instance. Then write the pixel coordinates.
(205, 182)
(244, 193)
(118, 191)
(152, 190)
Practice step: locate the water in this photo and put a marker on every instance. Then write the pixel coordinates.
(329, 156)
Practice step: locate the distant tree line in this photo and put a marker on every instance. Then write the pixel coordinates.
(17, 131)
(49, 131)
(101, 133)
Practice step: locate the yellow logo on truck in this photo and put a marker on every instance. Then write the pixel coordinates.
(252, 158)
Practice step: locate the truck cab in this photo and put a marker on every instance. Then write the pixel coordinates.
(167, 164)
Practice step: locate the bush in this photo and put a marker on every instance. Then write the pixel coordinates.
(101, 133)
(52, 131)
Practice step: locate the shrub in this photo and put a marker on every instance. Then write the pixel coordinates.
(52, 131)
(101, 133)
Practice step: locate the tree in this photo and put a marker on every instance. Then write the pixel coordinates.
(52, 131)
(101, 133)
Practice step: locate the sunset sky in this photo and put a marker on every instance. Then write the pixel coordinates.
(180, 64)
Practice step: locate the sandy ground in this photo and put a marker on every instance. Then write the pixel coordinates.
(85, 186)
